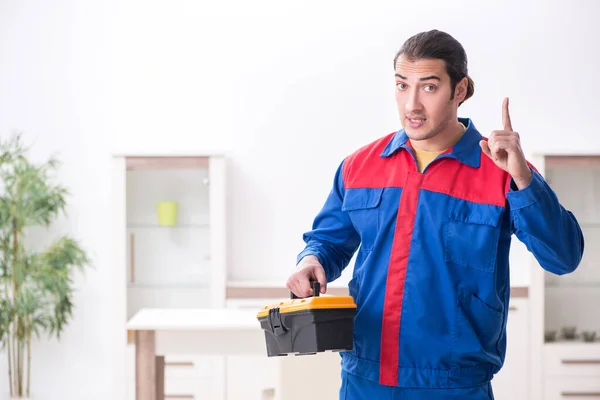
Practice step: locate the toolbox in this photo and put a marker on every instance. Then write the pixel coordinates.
(309, 325)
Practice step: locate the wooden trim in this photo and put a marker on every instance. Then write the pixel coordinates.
(130, 336)
(519, 292)
(256, 292)
(582, 362)
(272, 292)
(572, 161)
(132, 256)
(166, 162)
(179, 364)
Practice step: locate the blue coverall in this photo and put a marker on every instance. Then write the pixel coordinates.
(431, 276)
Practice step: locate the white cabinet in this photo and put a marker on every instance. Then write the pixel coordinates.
(572, 360)
(175, 223)
(512, 382)
(186, 376)
(251, 377)
(569, 299)
(565, 315)
(170, 233)
(572, 388)
(571, 371)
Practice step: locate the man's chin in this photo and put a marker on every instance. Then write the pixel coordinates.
(418, 134)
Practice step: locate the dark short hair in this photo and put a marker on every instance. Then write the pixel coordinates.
(436, 44)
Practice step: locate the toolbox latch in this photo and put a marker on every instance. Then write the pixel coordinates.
(275, 322)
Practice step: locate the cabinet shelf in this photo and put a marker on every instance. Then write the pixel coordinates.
(575, 342)
(170, 285)
(178, 226)
(573, 285)
(564, 343)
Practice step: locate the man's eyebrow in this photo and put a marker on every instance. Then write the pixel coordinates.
(425, 78)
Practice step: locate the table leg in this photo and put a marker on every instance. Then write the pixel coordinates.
(145, 365)
(160, 377)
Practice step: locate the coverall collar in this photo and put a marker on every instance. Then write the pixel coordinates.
(467, 149)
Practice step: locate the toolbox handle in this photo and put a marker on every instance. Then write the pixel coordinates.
(316, 287)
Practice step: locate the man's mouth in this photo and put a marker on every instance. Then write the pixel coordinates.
(416, 122)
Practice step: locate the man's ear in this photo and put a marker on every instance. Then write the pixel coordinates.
(460, 92)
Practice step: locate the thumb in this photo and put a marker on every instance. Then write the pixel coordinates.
(485, 148)
(319, 274)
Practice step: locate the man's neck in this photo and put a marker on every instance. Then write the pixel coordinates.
(443, 140)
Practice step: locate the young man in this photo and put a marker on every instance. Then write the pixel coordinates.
(433, 208)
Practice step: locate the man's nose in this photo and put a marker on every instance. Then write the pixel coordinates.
(413, 103)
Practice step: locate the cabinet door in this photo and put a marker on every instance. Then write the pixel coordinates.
(512, 382)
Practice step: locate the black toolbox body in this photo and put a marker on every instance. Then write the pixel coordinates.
(308, 326)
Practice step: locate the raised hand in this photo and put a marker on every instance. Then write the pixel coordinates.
(504, 148)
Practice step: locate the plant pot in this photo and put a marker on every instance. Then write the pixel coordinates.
(569, 332)
(550, 336)
(167, 212)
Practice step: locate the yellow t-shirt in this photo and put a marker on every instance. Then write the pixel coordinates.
(425, 157)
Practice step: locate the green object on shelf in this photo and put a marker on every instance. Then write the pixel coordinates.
(167, 213)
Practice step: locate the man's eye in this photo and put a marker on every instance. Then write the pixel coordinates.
(429, 88)
(401, 86)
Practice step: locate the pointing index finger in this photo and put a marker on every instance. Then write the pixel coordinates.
(506, 116)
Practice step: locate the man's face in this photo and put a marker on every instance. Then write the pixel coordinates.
(423, 95)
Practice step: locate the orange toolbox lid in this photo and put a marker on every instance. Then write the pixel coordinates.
(316, 302)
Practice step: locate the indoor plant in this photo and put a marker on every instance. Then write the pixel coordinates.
(36, 288)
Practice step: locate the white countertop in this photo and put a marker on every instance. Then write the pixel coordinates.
(194, 319)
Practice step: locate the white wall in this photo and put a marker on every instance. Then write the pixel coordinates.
(285, 89)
